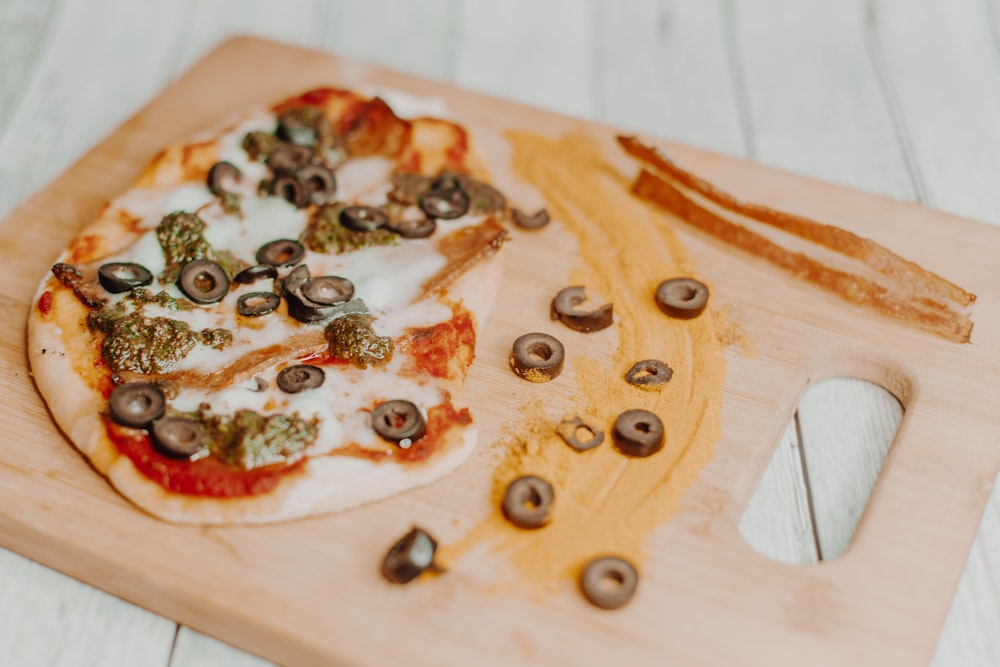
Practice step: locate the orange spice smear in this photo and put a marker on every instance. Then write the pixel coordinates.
(606, 502)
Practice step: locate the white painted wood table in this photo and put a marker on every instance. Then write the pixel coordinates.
(897, 97)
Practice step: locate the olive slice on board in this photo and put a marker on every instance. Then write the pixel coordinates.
(398, 421)
(535, 220)
(178, 437)
(203, 282)
(446, 203)
(298, 378)
(289, 157)
(283, 252)
(291, 189)
(320, 183)
(579, 433)
(565, 308)
(118, 277)
(136, 404)
(527, 502)
(419, 228)
(328, 290)
(363, 218)
(537, 357)
(638, 433)
(222, 177)
(256, 304)
(409, 557)
(255, 273)
(650, 374)
(682, 297)
(609, 582)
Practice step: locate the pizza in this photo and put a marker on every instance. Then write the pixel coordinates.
(277, 318)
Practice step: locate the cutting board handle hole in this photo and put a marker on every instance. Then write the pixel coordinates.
(826, 464)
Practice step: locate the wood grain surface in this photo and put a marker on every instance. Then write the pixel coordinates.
(277, 594)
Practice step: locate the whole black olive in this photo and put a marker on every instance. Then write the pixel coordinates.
(638, 433)
(178, 437)
(649, 374)
(609, 582)
(136, 404)
(565, 308)
(298, 378)
(527, 502)
(363, 218)
(684, 298)
(222, 176)
(410, 556)
(203, 282)
(320, 183)
(289, 157)
(569, 430)
(535, 220)
(399, 421)
(446, 203)
(283, 252)
(255, 304)
(328, 290)
(119, 277)
(419, 228)
(255, 273)
(291, 189)
(537, 357)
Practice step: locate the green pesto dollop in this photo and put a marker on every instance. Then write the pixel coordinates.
(141, 344)
(232, 203)
(325, 234)
(353, 339)
(182, 239)
(259, 144)
(249, 440)
(142, 296)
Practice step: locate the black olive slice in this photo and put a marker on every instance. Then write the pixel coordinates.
(565, 309)
(321, 184)
(609, 582)
(222, 176)
(292, 190)
(535, 220)
(255, 273)
(294, 379)
(527, 502)
(410, 556)
(638, 433)
(445, 203)
(136, 404)
(420, 228)
(119, 277)
(178, 437)
(283, 252)
(328, 290)
(363, 218)
(289, 157)
(255, 304)
(573, 426)
(537, 357)
(684, 298)
(649, 374)
(483, 197)
(398, 421)
(203, 282)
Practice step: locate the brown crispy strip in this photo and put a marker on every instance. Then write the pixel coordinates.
(922, 312)
(873, 255)
(84, 285)
(463, 248)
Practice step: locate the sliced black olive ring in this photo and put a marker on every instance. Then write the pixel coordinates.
(446, 203)
(409, 557)
(638, 433)
(136, 404)
(179, 437)
(255, 273)
(255, 304)
(565, 309)
(283, 252)
(222, 176)
(682, 297)
(320, 183)
(535, 220)
(289, 157)
(291, 189)
(363, 218)
(298, 378)
(609, 582)
(527, 502)
(570, 429)
(419, 228)
(203, 282)
(649, 374)
(399, 421)
(328, 290)
(119, 277)
(537, 357)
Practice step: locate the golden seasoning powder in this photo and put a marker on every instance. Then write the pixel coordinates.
(606, 502)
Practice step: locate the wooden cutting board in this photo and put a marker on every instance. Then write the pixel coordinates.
(308, 592)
